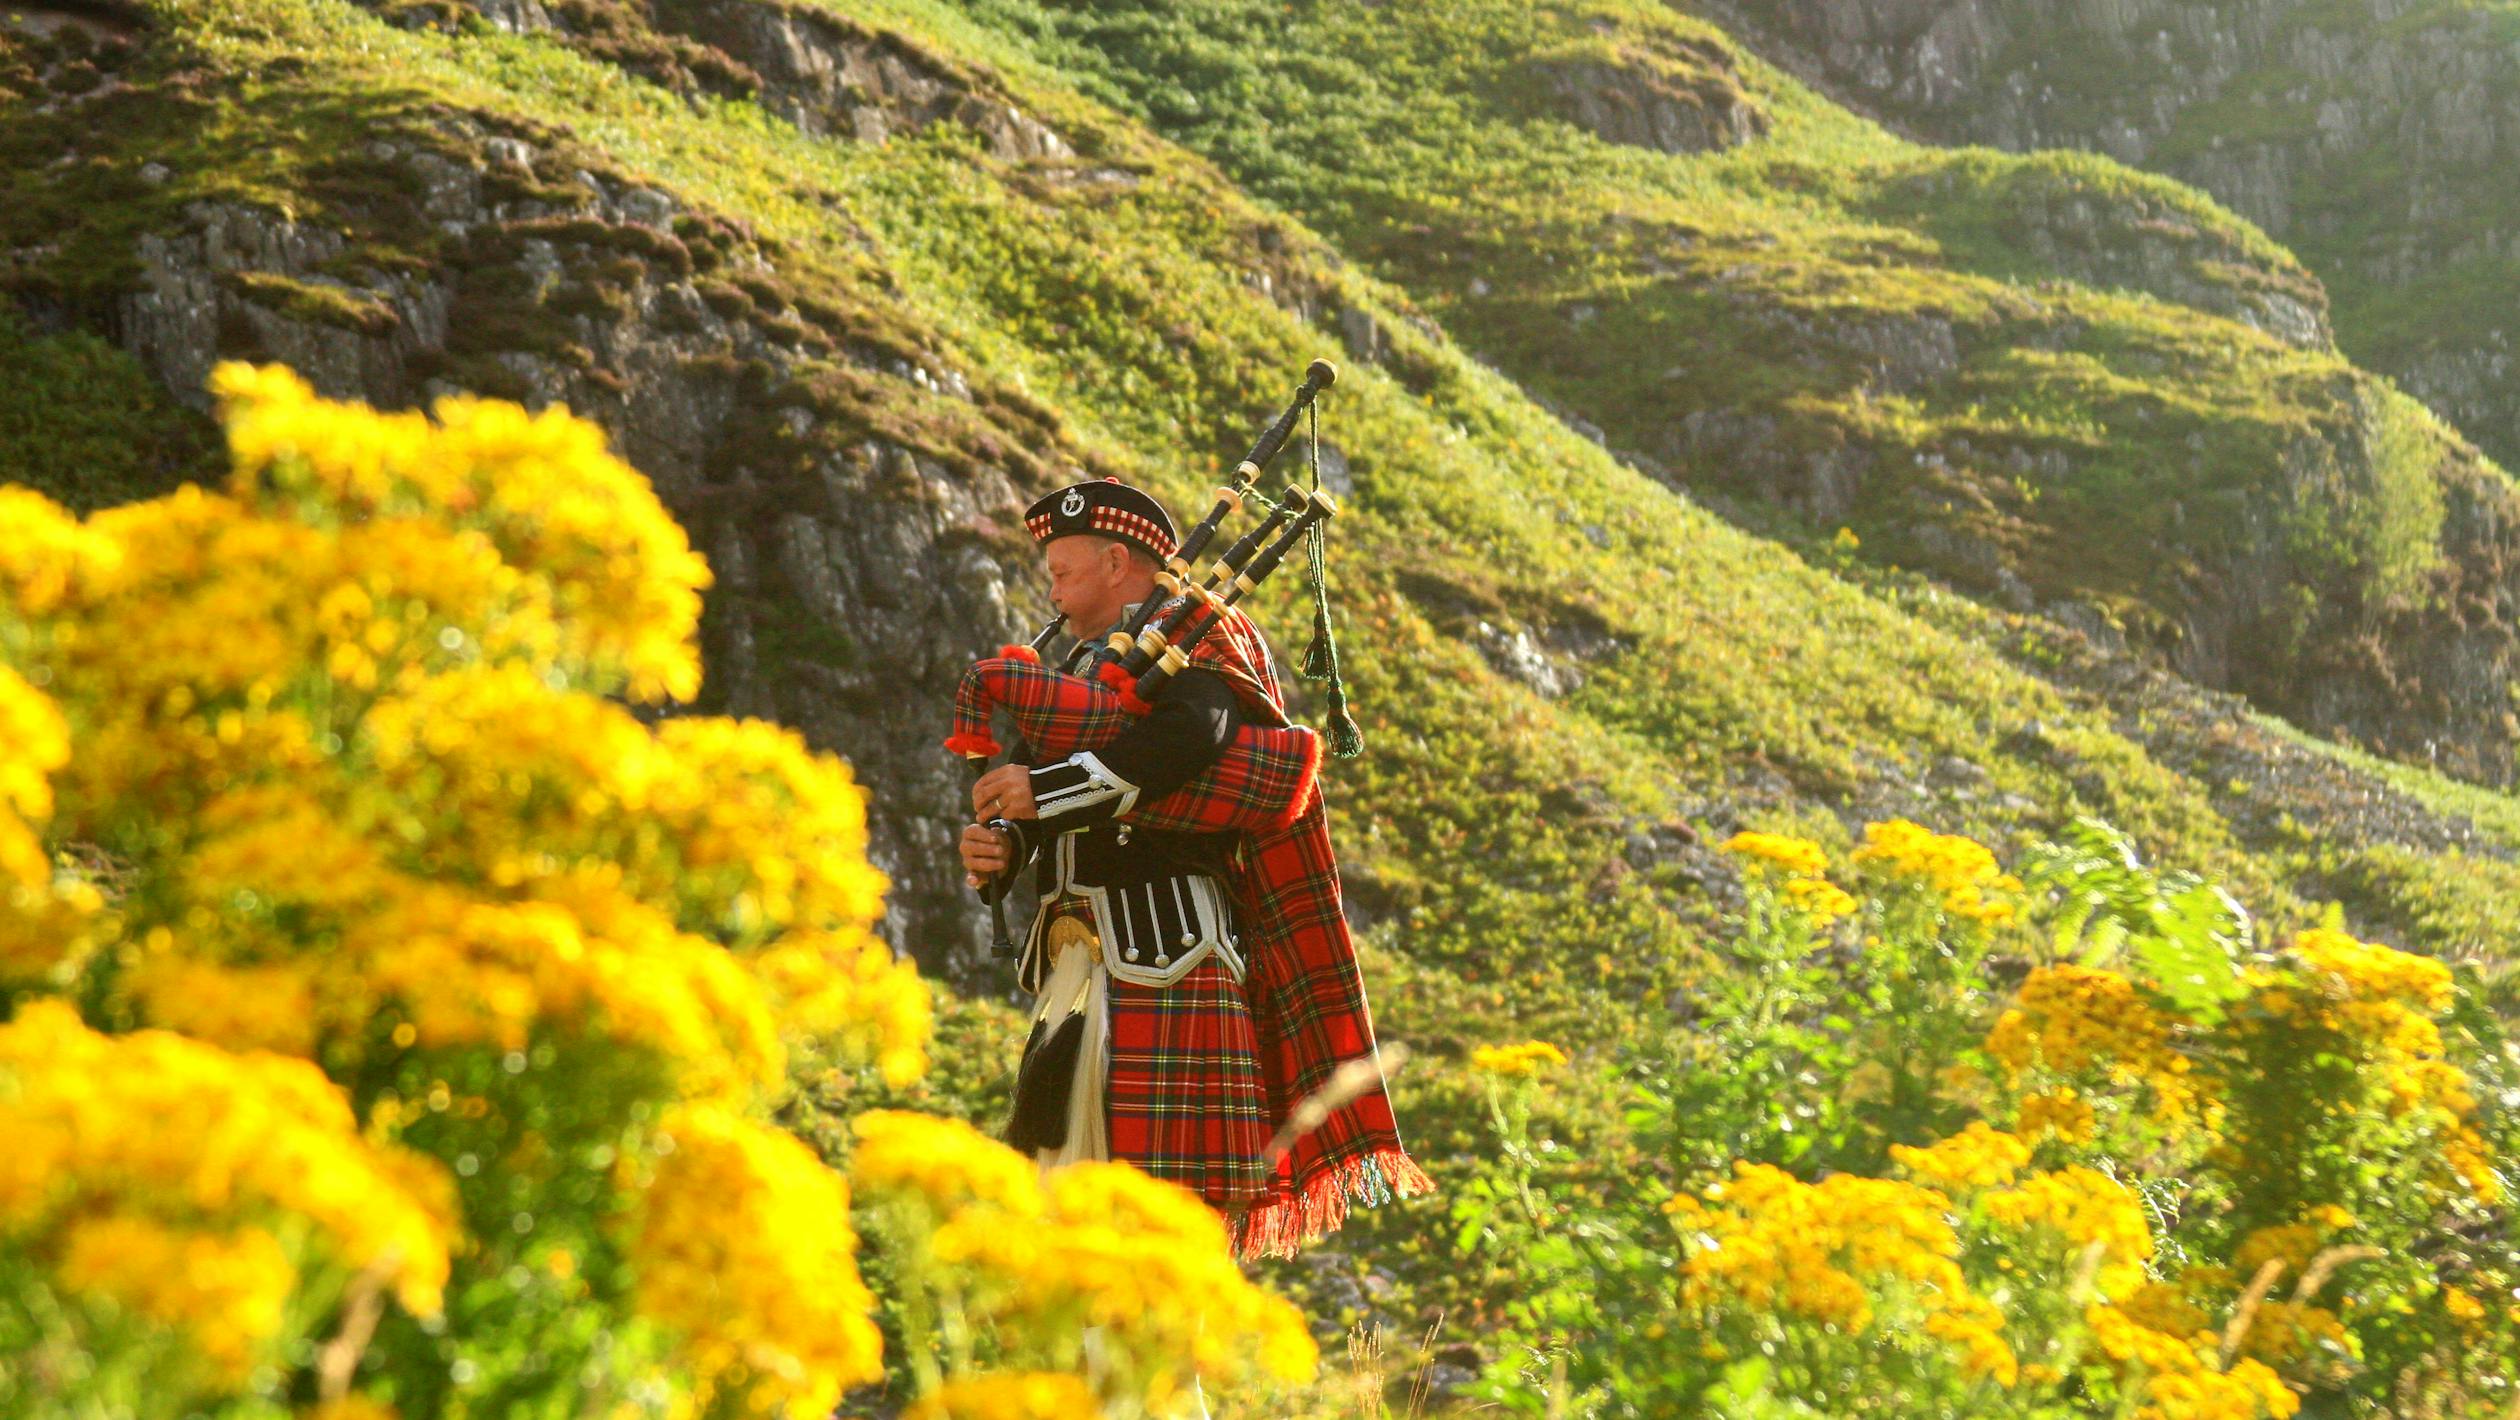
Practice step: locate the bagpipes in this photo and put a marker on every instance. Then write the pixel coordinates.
(1265, 778)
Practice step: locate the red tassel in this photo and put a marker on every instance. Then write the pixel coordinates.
(1129, 701)
(1025, 654)
(1110, 674)
(968, 744)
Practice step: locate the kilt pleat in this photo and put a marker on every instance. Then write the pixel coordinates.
(1187, 1098)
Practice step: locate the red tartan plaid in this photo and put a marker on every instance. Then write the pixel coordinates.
(1261, 781)
(1188, 1099)
(1307, 999)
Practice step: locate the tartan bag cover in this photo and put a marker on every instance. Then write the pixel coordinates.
(1263, 780)
(1307, 997)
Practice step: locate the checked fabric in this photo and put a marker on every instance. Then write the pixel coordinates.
(1306, 996)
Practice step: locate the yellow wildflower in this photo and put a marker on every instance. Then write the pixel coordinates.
(1767, 1242)
(2086, 1207)
(1976, 1157)
(37, 742)
(1963, 871)
(2279, 1331)
(224, 1290)
(45, 553)
(2374, 972)
(2176, 1379)
(1119, 1250)
(1027, 1395)
(1798, 857)
(946, 1162)
(2072, 1018)
(1819, 899)
(1529, 1058)
(101, 1127)
(743, 1249)
(2060, 1112)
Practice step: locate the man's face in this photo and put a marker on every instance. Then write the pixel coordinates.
(1089, 582)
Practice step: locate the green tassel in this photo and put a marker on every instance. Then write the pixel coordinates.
(1346, 740)
(1321, 658)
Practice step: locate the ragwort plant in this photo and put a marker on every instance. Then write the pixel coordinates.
(394, 1012)
(2067, 1143)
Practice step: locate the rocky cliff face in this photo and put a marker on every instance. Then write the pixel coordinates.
(857, 497)
(856, 489)
(2375, 141)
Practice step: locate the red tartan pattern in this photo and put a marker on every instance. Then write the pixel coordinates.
(1306, 997)
(1262, 781)
(1187, 1099)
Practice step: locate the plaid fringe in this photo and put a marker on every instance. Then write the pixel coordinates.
(1320, 1208)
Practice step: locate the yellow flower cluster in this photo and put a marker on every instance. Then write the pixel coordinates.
(2370, 972)
(45, 553)
(2379, 1005)
(541, 488)
(1829, 1252)
(156, 1172)
(1025, 1395)
(39, 743)
(944, 1164)
(344, 734)
(2089, 1210)
(743, 1247)
(1961, 870)
(1802, 864)
(224, 1289)
(2072, 1019)
(1976, 1157)
(2060, 1112)
(43, 915)
(1795, 857)
(2178, 1380)
(1092, 1244)
(1529, 1058)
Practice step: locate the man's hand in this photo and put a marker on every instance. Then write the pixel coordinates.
(1003, 792)
(986, 852)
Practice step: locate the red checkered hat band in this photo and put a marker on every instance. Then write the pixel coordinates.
(1105, 506)
(1137, 529)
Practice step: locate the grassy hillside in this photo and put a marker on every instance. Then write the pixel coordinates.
(2371, 139)
(1513, 841)
(2048, 377)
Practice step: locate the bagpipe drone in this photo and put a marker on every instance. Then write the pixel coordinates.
(1265, 777)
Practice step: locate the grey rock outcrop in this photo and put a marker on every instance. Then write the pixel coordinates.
(848, 565)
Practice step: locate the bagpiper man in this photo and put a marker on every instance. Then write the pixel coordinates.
(1190, 988)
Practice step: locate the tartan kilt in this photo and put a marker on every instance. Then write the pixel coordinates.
(1187, 1099)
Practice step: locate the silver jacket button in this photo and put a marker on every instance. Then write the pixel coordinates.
(1123, 835)
(1162, 959)
(1189, 939)
(1131, 954)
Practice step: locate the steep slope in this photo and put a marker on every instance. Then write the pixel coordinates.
(852, 292)
(2375, 141)
(2058, 382)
